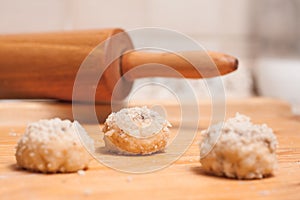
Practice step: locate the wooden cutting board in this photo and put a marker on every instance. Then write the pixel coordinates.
(182, 180)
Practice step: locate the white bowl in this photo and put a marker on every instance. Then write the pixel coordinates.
(279, 78)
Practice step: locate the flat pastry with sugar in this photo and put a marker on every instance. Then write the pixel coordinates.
(136, 131)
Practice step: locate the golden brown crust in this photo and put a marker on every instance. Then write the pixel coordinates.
(142, 146)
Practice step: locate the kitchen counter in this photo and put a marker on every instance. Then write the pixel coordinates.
(184, 179)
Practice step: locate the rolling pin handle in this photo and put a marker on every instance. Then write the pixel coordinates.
(203, 65)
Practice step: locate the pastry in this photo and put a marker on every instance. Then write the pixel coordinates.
(54, 146)
(239, 149)
(136, 131)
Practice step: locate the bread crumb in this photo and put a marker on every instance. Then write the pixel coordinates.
(3, 177)
(264, 192)
(88, 192)
(81, 172)
(129, 179)
(14, 134)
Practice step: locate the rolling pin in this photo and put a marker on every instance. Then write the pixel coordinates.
(44, 65)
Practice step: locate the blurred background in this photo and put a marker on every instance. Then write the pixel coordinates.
(263, 34)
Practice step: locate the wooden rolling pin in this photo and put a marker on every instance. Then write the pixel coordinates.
(38, 66)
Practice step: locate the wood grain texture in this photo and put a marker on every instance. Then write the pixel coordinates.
(52, 65)
(45, 65)
(182, 180)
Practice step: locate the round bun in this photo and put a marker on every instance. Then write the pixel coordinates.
(54, 146)
(136, 131)
(243, 150)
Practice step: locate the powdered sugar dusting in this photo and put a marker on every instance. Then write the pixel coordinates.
(138, 121)
(136, 131)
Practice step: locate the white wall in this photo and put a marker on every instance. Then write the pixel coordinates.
(220, 25)
(217, 23)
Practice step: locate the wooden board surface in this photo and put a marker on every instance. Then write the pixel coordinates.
(182, 180)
